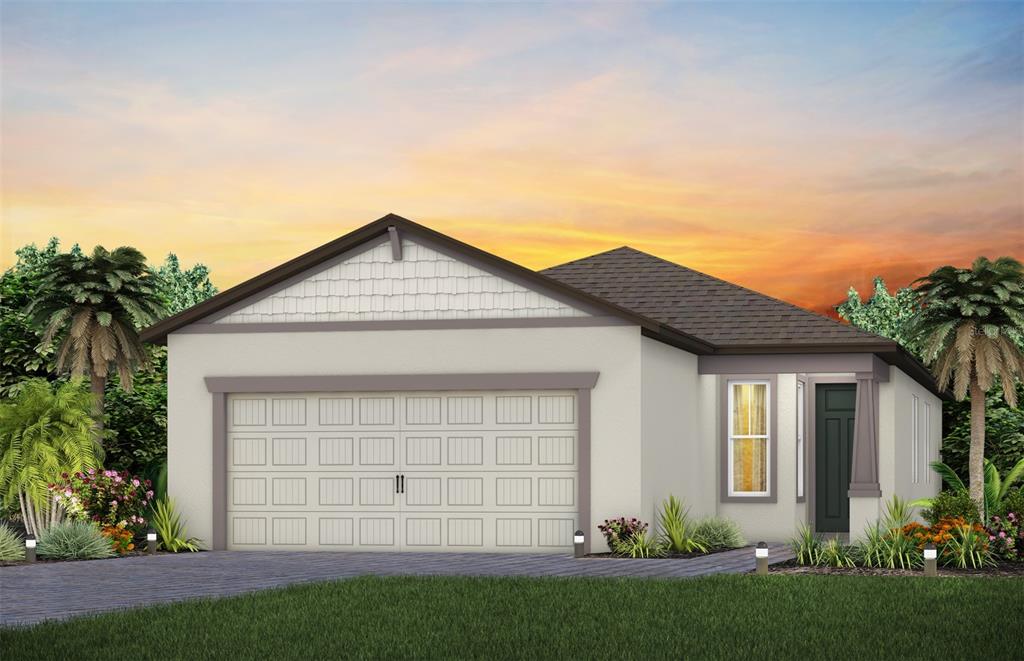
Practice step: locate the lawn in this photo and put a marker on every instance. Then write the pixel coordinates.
(722, 616)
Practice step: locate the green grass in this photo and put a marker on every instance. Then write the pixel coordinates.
(412, 618)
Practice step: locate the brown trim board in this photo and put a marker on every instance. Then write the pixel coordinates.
(200, 328)
(220, 472)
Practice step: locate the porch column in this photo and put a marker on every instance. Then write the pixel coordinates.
(864, 471)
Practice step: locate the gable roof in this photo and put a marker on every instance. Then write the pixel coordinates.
(719, 312)
(671, 303)
(158, 332)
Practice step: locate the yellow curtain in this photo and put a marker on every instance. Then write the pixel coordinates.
(750, 418)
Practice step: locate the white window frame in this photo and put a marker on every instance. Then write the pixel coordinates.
(730, 437)
(801, 435)
(926, 467)
(916, 436)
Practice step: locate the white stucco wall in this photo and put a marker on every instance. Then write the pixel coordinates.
(674, 459)
(614, 351)
(897, 445)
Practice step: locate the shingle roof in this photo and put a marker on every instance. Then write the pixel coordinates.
(701, 305)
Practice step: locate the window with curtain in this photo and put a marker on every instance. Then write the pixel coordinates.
(749, 443)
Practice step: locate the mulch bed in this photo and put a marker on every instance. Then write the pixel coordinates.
(1013, 569)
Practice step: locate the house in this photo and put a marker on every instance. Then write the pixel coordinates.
(399, 389)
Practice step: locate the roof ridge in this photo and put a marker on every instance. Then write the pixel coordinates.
(581, 259)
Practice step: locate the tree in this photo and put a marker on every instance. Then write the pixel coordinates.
(92, 306)
(969, 327)
(20, 356)
(45, 432)
(183, 289)
(883, 314)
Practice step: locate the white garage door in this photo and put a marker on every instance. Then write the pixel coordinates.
(442, 471)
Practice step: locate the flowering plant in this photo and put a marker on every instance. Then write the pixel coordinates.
(120, 538)
(1006, 535)
(620, 530)
(106, 497)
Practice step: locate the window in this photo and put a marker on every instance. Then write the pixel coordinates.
(800, 402)
(916, 436)
(748, 442)
(927, 443)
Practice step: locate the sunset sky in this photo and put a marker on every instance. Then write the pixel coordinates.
(793, 148)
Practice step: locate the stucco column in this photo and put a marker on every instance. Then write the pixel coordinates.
(864, 472)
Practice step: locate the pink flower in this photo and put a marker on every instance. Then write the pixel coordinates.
(67, 492)
(1002, 534)
(149, 494)
(92, 471)
(135, 482)
(117, 478)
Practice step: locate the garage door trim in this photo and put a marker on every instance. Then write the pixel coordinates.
(220, 387)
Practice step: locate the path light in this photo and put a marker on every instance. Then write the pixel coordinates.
(151, 541)
(577, 543)
(930, 560)
(30, 548)
(761, 553)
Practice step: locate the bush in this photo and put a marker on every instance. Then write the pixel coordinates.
(169, 528)
(967, 546)
(1006, 537)
(620, 529)
(74, 540)
(107, 498)
(676, 529)
(806, 546)
(891, 543)
(835, 554)
(121, 539)
(12, 546)
(951, 505)
(640, 544)
(1012, 502)
(719, 533)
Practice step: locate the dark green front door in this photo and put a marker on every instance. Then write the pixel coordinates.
(833, 455)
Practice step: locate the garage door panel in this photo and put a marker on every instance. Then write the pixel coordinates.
(481, 471)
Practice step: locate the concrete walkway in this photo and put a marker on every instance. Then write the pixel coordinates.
(57, 590)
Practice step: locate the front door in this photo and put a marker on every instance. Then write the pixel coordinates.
(833, 455)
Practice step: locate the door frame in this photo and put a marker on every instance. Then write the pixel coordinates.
(220, 387)
(811, 443)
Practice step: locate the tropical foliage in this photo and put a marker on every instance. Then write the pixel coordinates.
(996, 487)
(170, 529)
(1006, 536)
(676, 528)
(969, 326)
(834, 553)
(73, 540)
(45, 431)
(641, 544)
(947, 504)
(889, 315)
(806, 545)
(12, 546)
(91, 307)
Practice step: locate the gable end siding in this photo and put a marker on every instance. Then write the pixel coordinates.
(426, 284)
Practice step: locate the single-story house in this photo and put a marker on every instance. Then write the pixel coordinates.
(399, 389)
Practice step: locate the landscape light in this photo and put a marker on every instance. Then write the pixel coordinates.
(577, 542)
(761, 554)
(151, 541)
(30, 548)
(930, 560)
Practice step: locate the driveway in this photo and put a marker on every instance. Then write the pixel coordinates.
(45, 591)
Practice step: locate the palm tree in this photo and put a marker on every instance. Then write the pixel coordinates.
(94, 304)
(967, 326)
(45, 434)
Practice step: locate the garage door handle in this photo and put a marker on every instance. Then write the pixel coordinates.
(396, 485)
(402, 483)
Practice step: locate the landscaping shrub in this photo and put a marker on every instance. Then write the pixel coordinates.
(719, 533)
(74, 540)
(121, 539)
(951, 504)
(107, 498)
(833, 553)
(1006, 537)
(641, 544)
(806, 546)
(620, 529)
(677, 529)
(169, 528)
(967, 547)
(891, 543)
(12, 546)
(1013, 502)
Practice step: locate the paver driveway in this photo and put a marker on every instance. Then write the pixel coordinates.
(32, 593)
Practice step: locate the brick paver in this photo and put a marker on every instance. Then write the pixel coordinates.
(44, 591)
